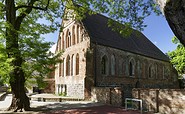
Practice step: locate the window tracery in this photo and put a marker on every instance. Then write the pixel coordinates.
(113, 65)
(77, 64)
(68, 66)
(104, 65)
(131, 67)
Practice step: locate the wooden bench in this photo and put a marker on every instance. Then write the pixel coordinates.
(56, 98)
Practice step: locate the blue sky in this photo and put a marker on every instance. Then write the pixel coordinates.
(157, 31)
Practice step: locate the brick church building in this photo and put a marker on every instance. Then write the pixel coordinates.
(95, 56)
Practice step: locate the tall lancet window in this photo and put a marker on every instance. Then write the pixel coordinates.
(77, 64)
(69, 39)
(113, 65)
(104, 65)
(68, 66)
(131, 67)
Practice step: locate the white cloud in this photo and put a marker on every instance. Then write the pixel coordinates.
(155, 43)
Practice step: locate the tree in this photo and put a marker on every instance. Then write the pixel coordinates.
(177, 57)
(24, 53)
(174, 11)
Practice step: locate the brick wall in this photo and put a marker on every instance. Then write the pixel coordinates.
(50, 87)
(165, 101)
(74, 82)
(161, 79)
(50, 81)
(107, 95)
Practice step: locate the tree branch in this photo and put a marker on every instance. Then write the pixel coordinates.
(28, 10)
(33, 7)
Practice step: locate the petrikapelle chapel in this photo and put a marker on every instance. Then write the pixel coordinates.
(96, 56)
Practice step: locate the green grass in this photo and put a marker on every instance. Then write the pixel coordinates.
(62, 94)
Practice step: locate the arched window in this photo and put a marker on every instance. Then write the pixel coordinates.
(113, 65)
(73, 35)
(123, 68)
(151, 71)
(72, 65)
(139, 69)
(104, 65)
(59, 43)
(166, 72)
(60, 68)
(69, 39)
(77, 34)
(77, 64)
(62, 41)
(82, 35)
(131, 67)
(68, 66)
(156, 71)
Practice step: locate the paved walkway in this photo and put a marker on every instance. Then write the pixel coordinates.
(68, 107)
(104, 109)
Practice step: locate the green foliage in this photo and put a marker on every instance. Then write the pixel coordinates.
(5, 67)
(37, 59)
(63, 94)
(129, 12)
(177, 57)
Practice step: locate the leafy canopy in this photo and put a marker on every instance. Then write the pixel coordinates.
(37, 59)
(178, 57)
(131, 13)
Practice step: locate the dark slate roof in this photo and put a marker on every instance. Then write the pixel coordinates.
(100, 33)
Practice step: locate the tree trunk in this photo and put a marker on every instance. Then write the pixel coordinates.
(174, 12)
(19, 97)
(17, 77)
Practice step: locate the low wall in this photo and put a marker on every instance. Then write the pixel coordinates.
(165, 101)
(107, 95)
